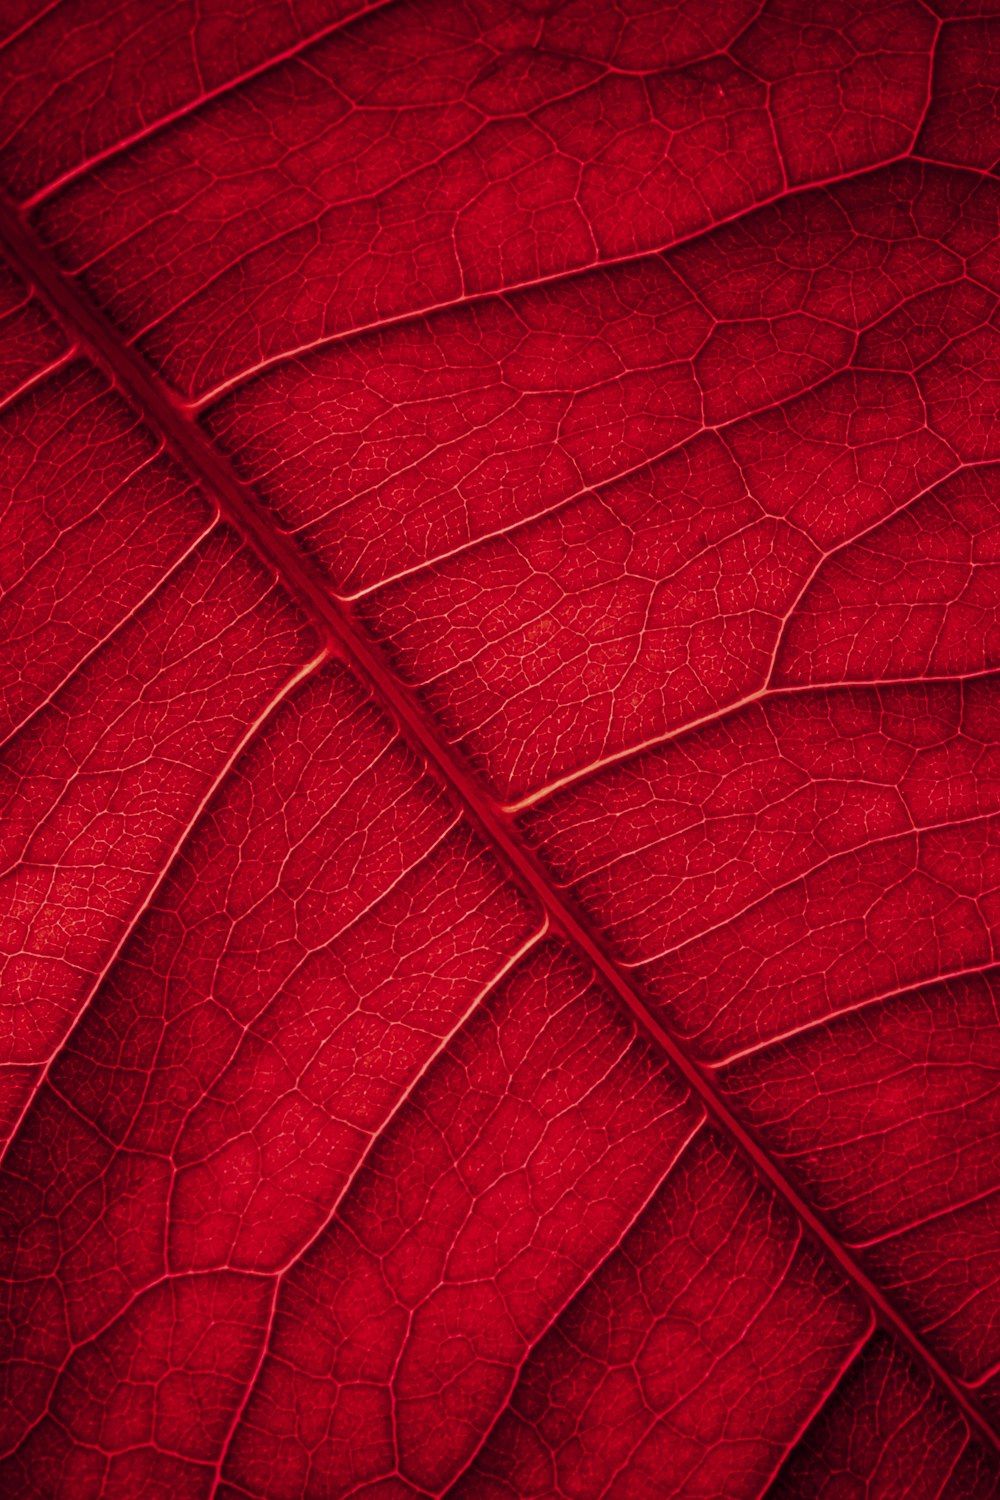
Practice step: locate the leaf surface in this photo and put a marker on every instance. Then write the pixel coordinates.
(501, 750)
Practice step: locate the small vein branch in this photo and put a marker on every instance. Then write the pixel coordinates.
(343, 637)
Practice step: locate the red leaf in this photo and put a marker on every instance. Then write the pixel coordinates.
(501, 750)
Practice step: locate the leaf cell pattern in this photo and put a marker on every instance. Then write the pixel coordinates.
(500, 750)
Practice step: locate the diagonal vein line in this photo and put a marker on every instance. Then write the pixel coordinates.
(155, 885)
(145, 132)
(375, 1137)
(343, 637)
(819, 1406)
(655, 250)
(553, 1322)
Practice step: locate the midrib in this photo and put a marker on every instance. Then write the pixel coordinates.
(342, 638)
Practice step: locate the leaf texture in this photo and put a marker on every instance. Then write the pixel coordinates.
(500, 750)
